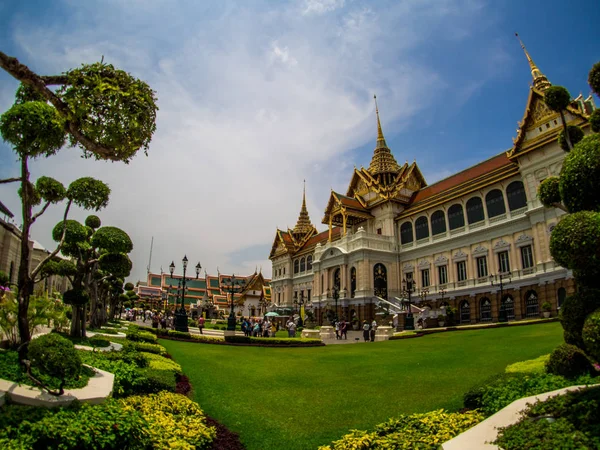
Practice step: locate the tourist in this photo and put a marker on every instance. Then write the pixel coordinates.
(292, 328)
(201, 324)
(337, 329)
(373, 329)
(343, 330)
(366, 330)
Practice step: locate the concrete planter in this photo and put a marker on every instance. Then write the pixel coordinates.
(311, 334)
(327, 332)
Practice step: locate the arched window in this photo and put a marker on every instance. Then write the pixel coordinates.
(309, 262)
(475, 210)
(494, 202)
(456, 218)
(485, 310)
(302, 265)
(336, 279)
(421, 228)
(562, 295)
(380, 281)
(438, 222)
(296, 266)
(531, 304)
(515, 194)
(508, 305)
(465, 312)
(352, 282)
(406, 233)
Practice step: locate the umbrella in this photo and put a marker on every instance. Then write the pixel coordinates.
(127, 309)
(271, 314)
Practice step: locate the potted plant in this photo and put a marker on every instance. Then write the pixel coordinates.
(546, 308)
(355, 323)
(441, 320)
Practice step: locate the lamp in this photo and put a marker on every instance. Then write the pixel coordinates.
(181, 318)
(409, 323)
(502, 316)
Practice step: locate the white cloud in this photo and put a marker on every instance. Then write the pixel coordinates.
(238, 131)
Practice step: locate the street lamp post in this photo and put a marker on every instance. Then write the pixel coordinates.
(336, 296)
(300, 303)
(502, 316)
(235, 284)
(181, 318)
(409, 323)
(423, 295)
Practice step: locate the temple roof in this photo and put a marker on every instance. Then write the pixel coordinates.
(303, 225)
(383, 161)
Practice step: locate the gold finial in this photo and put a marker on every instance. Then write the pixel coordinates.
(539, 79)
(304, 224)
(383, 161)
(379, 132)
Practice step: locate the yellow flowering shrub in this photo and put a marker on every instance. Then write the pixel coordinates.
(175, 422)
(157, 362)
(414, 431)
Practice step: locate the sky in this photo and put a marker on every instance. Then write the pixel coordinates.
(257, 96)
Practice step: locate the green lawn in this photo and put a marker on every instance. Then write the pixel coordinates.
(300, 398)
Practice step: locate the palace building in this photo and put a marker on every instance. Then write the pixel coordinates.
(477, 241)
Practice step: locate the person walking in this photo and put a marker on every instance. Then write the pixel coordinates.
(337, 330)
(201, 324)
(366, 328)
(373, 329)
(343, 329)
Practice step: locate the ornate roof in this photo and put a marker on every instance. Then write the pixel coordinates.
(304, 224)
(383, 161)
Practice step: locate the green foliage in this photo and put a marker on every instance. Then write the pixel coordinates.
(575, 135)
(591, 335)
(128, 287)
(118, 264)
(536, 366)
(595, 121)
(33, 129)
(26, 93)
(4, 279)
(50, 189)
(147, 347)
(109, 425)
(112, 239)
(112, 108)
(54, 355)
(178, 334)
(422, 431)
(499, 391)
(574, 311)
(557, 98)
(546, 306)
(76, 296)
(594, 78)
(580, 176)
(575, 245)
(74, 231)
(569, 421)
(568, 361)
(548, 192)
(89, 193)
(33, 196)
(93, 222)
(141, 336)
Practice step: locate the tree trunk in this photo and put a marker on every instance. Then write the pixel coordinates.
(24, 282)
(76, 321)
(566, 131)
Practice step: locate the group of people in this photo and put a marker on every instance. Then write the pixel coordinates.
(341, 329)
(259, 327)
(369, 330)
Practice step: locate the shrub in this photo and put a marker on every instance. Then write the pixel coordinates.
(141, 336)
(149, 348)
(591, 335)
(537, 365)
(422, 431)
(574, 311)
(595, 120)
(575, 134)
(55, 356)
(568, 361)
(183, 386)
(174, 420)
(557, 98)
(237, 339)
(178, 334)
(546, 307)
(580, 175)
(98, 342)
(109, 425)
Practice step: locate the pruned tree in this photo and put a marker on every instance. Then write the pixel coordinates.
(104, 111)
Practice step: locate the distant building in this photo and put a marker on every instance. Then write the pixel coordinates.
(252, 294)
(453, 238)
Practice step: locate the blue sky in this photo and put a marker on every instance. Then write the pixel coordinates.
(256, 96)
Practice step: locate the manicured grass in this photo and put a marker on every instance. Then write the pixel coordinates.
(300, 398)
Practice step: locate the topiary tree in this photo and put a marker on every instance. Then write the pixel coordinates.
(568, 361)
(576, 134)
(575, 241)
(591, 334)
(106, 112)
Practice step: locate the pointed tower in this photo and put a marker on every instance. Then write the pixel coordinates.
(540, 82)
(383, 164)
(304, 225)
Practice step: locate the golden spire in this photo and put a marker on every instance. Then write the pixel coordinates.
(383, 161)
(303, 225)
(540, 81)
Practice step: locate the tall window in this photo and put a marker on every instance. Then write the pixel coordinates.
(406, 233)
(308, 291)
(482, 270)
(485, 310)
(309, 262)
(456, 218)
(425, 278)
(527, 257)
(503, 262)
(465, 312)
(515, 194)
(562, 295)
(475, 210)
(494, 202)
(531, 304)
(302, 265)
(380, 281)
(422, 228)
(461, 270)
(443, 274)
(438, 223)
(352, 282)
(296, 266)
